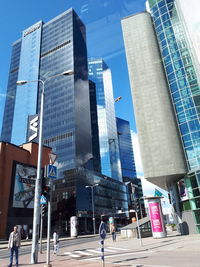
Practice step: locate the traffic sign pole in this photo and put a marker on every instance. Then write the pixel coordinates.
(102, 253)
(102, 234)
(41, 226)
(49, 227)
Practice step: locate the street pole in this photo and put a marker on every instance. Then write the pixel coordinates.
(93, 215)
(41, 226)
(49, 227)
(94, 227)
(36, 214)
(138, 226)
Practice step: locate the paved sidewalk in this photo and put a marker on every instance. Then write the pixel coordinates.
(173, 243)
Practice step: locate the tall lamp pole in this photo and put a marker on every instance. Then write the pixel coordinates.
(93, 216)
(36, 213)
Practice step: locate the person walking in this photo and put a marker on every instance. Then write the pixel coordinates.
(113, 232)
(14, 243)
(55, 243)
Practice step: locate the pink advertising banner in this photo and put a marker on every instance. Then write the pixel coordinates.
(156, 217)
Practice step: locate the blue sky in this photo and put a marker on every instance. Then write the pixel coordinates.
(104, 37)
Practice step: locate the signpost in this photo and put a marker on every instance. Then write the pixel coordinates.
(102, 234)
(51, 173)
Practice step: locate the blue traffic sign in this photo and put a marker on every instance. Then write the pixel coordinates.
(102, 230)
(43, 200)
(51, 171)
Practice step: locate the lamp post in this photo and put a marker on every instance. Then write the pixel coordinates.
(93, 217)
(36, 214)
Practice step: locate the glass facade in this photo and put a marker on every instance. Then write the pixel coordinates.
(26, 96)
(126, 149)
(45, 50)
(182, 77)
(100, 74)
(109, 196)
(95, 128)
(11, 93)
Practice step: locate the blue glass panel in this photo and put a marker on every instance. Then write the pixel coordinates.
(161, 3)
(26, 96)
(184, 128)
(186, 137)
(194, 125)
(157, 22)
(169, 69)
(165, 52)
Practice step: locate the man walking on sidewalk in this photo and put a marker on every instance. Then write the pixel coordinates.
(14, 244)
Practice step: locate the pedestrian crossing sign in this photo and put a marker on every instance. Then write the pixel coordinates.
(51, 171)
(43, 200)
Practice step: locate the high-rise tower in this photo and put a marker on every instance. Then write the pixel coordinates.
(126, 149)
(100, 74)
(46, 49)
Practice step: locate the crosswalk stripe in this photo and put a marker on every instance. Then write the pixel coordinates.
(119, 248)
(109, 250)
(72, 255)
(94, 251)
(78, 253)
(83, 252)
(120, 255)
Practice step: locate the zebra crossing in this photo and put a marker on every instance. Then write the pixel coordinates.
(94, 252)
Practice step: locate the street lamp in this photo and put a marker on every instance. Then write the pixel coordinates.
(92, 189)
(36, 214)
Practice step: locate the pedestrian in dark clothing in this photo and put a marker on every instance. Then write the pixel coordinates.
(14, 244)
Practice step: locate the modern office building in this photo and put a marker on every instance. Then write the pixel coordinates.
(44, 50)
(165, 88)
(100, 74)
(126, 149)
(129, 175)
(73, 197)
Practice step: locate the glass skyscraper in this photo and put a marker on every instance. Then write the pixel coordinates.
(126, 149)
(46, 49)
(100, 74)
(183, 80)
(181, 75)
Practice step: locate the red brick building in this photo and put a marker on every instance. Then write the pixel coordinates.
(17, 178)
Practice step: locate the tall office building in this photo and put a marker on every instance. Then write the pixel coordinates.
(100, 74)
(126, 149)
(46, 49)
(165, 88)
(129, 175)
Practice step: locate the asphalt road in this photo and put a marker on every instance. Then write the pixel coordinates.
(4, 253)
(165, 253)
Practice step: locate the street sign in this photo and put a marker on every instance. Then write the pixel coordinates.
(102, 230)
(43, 200)
(51, 171)
(52, 158)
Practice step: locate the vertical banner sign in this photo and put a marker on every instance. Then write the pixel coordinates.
(155, 215)
(156, 219)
